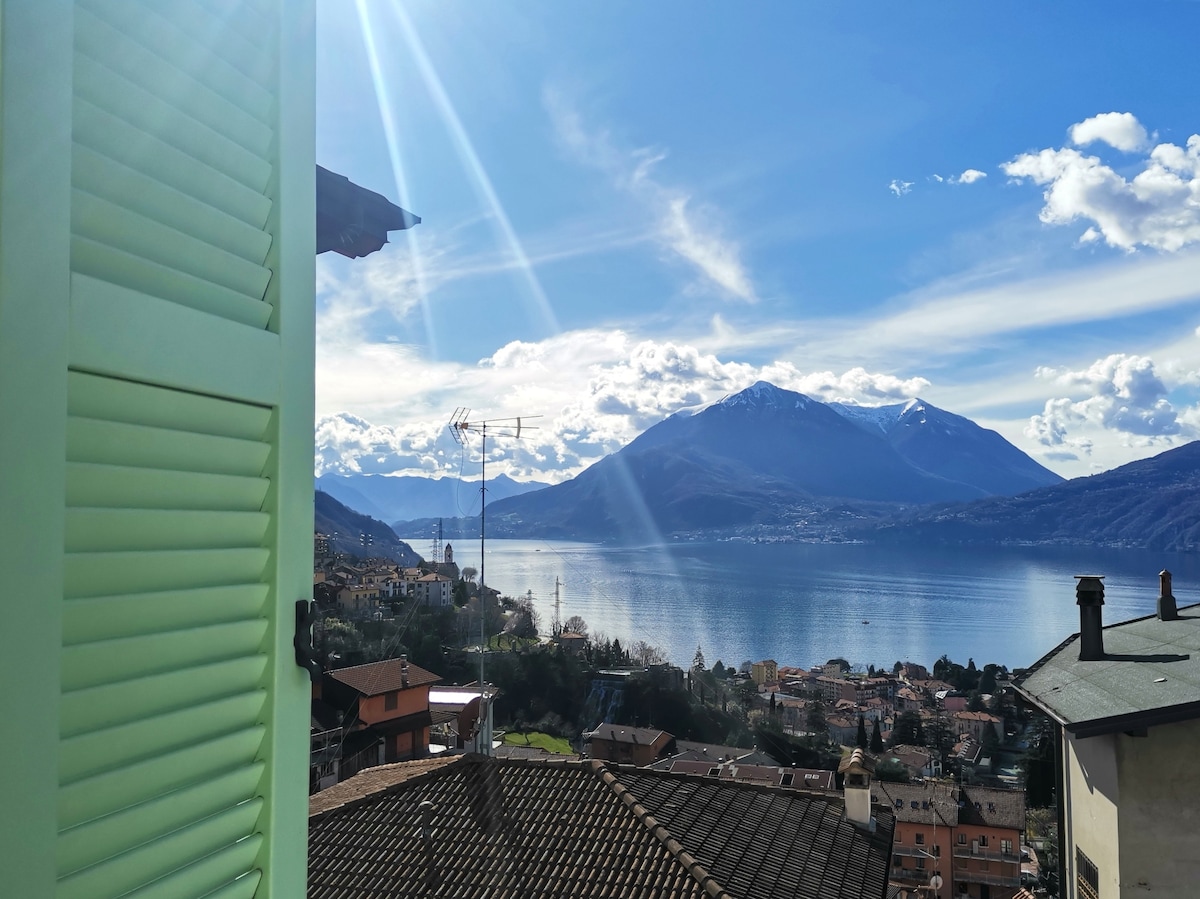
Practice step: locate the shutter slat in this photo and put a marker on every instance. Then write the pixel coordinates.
(117, 530)
(109, 617)
(110, 224)
(107, 263)
(167, 81)
(110, 705)
(165, 855)
(92, 396)
(105, 88)
(116, 182)
(116, 790)
(120, 443)
(87, 755)
(217, 33)
(208, 874)
(195, 58)
(245, 887)
(173, 166)
(101, 574)
(109, 661)
(102, 838)
(114, 485)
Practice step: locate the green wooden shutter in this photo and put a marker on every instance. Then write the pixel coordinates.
(182, 718)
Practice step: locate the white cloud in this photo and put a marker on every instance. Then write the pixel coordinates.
(970, 176)
(1159, 207)
(1120, 130)
(900, 188)
(596, 390)
(685, 225)
(1120, 393)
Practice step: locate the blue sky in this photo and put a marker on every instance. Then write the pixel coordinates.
(632, 208)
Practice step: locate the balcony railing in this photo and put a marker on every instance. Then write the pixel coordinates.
(961, 875)
(991, 855)
(915, 851)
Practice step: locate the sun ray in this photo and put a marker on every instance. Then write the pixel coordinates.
(391, 135)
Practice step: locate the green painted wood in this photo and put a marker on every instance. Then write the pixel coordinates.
(167, 80)
(102, 574)
(137, 273)
(206, 875)
(111, 705)
(101, 838)
(119, 332)
(110, 224)
(107, 617)
(93, 753)
(105, 88)
(120, 874)
(115, 790)
(113, 400)
(35, 90)
(117, 182)
(244, 887)
(108, 661)
(186, 50)
(147, 152)
(115, 530)
(230, 33)
(119, 443)
(111, 485)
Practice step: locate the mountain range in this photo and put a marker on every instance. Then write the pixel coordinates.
(401, 497)
(352, 532)
(1149, 504)
(768, 457)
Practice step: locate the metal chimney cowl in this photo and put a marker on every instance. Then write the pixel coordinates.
(1089, 596)
(1167, 610)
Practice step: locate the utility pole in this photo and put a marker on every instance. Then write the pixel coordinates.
(556, 625)
(460, 426)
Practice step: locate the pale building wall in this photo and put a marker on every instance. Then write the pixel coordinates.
(1092, 800)
(1159, 815)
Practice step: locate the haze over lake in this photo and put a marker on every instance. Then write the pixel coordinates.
(803, 603)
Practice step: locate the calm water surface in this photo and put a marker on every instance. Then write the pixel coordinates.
(802, 604)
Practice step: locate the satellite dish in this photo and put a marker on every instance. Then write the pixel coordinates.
(936, 881)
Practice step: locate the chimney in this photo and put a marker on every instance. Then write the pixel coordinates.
(1166, 601)
(856, 769)
(403, 671)
(1089, 596)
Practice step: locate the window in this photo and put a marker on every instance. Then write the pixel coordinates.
(895, 861)
(1006, 847)
(920, 839)
(962, 839)
(390, 701)
(1087, 876)
(899, 837)
(982, 841)
(920, 864)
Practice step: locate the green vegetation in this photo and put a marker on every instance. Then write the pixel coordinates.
(540, 740)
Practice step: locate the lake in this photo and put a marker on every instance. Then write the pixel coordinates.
(801, 604)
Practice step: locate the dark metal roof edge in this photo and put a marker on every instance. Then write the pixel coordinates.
(1171, 714)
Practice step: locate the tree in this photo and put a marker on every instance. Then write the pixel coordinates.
(860, 739)
(987, 680)
(469, 574)
(876, 738)
(575, 625)
(896, 668)
(975, 702)
(718, 670)
(645, 655)
(462, 594)
(771, 709)
(891, 771)
(815, 718)
(523, 620)
(906, 729)
(698, 659)
(841, 663)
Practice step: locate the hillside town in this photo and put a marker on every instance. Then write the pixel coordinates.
(950, 752)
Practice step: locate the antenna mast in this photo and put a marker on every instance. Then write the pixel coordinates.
(460, 425)
(556, 627)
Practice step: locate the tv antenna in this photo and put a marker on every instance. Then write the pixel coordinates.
(460, 426)
(556, 626)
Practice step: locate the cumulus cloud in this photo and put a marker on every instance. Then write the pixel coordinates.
(900, 188)
(685, 225)
(1120, 130)
(1122, 393)
(970, 176)
(1159, 207)
(597, 389)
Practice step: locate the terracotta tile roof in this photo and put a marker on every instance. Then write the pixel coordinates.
(374, 678)
(619, 733)
(504, 829)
